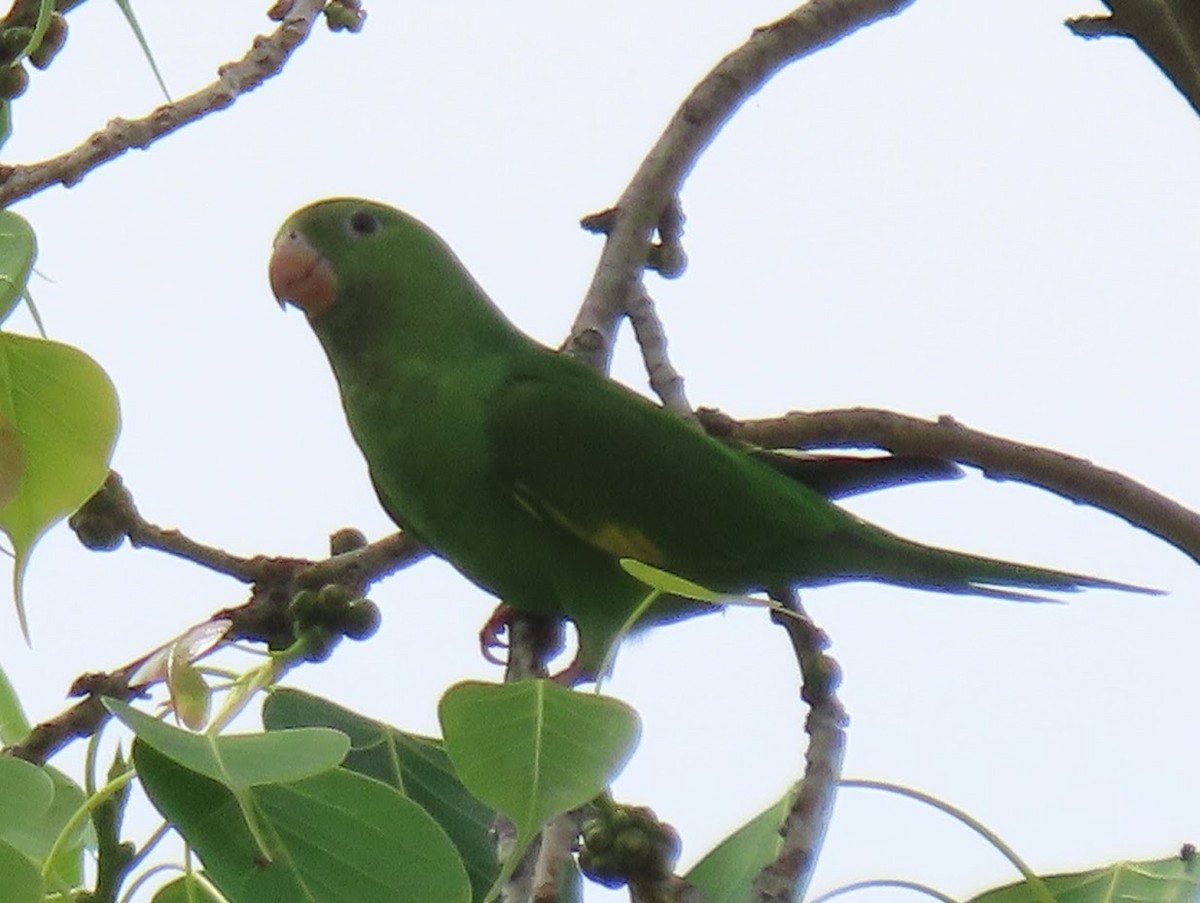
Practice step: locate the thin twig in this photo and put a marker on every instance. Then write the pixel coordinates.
(265, 58)
(263, 617)
(367, 565)
(1073, 478)
(145, 535)
(787, 877)
(110, 515)
(708, 107)
(79, 721)
(652, 339)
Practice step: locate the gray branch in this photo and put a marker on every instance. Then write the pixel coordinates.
(1071, 477)
(654, 188)
(265, 58)
(652, 339)
(803, 830)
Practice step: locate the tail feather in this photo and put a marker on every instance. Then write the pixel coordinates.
(874, 554)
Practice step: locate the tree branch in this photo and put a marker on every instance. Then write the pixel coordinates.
(110, 516)
(1073, 478)
(650, 196)
(787, 877)
(664, 378)
(265, 58)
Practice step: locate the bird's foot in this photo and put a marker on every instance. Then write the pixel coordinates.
(573, 675)
(547, 641)
(492, 633)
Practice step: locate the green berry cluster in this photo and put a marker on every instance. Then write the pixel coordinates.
(14, 41)
(627, 845)
(322, 617)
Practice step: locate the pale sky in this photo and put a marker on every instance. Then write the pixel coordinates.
(951, 212)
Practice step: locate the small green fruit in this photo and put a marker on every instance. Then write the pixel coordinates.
(303, 607)
(52, 42)
(346, 540)
(344, 15)
(332, 601)
(97, 528)
(13, 81)
(361, 620)
(319, 645)
(13, 42)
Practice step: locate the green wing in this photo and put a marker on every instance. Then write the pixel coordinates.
(633, 480)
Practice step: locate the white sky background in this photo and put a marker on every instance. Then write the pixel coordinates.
(956, 211)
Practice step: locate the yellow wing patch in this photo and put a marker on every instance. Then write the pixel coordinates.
(625, 542)
(618, 540)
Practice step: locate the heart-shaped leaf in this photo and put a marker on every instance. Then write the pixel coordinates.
(58, 424)
(533, 749)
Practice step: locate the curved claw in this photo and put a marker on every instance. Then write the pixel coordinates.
(490, 634)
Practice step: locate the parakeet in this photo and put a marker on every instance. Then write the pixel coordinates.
(534, 475)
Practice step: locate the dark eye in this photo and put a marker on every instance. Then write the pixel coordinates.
(363, 223)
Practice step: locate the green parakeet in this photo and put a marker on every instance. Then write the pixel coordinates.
(533, 475)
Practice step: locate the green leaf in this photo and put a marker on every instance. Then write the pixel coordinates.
(190, 697)
(727, 872)
(14, 726)
(58, 424)
(1175, 880)
(18, 248)
(127, 9)
(663, 582)
(240, 761)
(336, 837)
(416, 766)
(35, 805)
(37, 838)
(671, 584)
(20, 881)
(533, 749)
(26, 793)
(185, 889)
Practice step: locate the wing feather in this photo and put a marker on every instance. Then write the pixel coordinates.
(625, 476)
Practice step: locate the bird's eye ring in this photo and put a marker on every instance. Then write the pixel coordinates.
(363, 223)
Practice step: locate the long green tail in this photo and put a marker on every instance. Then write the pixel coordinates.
(874, 554)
